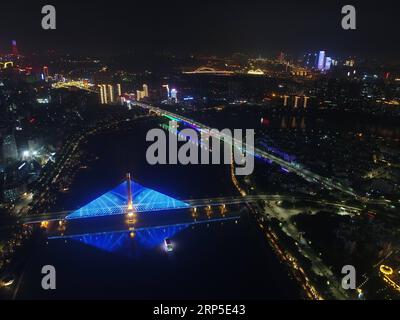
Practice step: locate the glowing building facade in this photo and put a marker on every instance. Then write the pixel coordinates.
(107, 94)
(115, 202)
(140, 94)
(174, 95)
(321, 60)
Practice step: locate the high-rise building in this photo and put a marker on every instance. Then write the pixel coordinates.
(9, 147)
(321, 60)
(139, 95)
(349, 63)
(145, 90)
(285, 100)
(46, 72)
(111, 92)
(101, 93)
(105, 93)
(174, 95)
(14, 49)
(166, 86)
(305, 102)
(296, 101)
(328, 63)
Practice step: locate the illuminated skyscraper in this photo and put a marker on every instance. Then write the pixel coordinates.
(321, 60)
(349, 63)
(119, 90)
(145, 90)
(101, 94)
(305, 102)
(174, 95)
(139, 95)
(296, 101)
(46, 72)
(285, 100)
(111, 92)
(14, 49)
(105, 93)
(328, 63)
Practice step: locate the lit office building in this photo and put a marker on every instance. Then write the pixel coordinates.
(328, 63)
(46, 72)
(146, 90)
(174, 95)
(111, 92)
(101, 94)
(321, 60)
(140, 94)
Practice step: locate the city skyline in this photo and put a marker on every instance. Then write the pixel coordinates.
(258, 28)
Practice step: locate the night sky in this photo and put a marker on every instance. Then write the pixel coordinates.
(219, 26)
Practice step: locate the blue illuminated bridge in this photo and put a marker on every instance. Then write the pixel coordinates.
(115, 202)
(145, 200)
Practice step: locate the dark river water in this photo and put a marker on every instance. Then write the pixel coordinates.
(221, 258)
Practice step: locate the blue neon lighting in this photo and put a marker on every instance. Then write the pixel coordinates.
(115, 202)
(119, 242)
(153, 237)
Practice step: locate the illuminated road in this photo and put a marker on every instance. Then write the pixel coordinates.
(318, 266)
(258, 153)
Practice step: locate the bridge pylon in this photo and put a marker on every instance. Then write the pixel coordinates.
(130, 209)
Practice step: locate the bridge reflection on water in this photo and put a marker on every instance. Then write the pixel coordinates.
(140, 238)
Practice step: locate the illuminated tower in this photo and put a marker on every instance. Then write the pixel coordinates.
(46, 72)
(145, 90)
(321, 60)
(101, 93)
(111, 90)
(285, 99)
(305, 102)
(119, 90)
(328, 63)
(296, 101)
(174, 95)
(130, 209)
(139, 95)
(14, 49)
(105, 93)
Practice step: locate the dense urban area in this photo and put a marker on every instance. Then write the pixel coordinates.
(325, 191)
